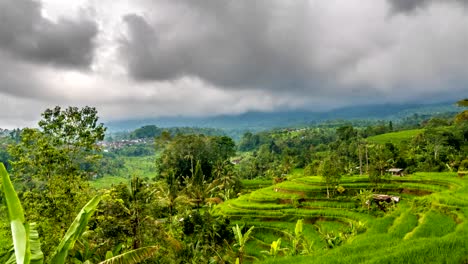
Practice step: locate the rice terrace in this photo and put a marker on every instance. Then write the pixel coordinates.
(428, 224)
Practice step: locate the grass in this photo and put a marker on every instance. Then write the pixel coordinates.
(432, 228)
(395, 137)
(433, 224)
(107, 181)
(404, 224)
(250, 185)
(143, 167)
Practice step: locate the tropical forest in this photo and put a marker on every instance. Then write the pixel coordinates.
(335, 192)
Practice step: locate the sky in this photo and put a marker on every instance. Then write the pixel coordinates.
(149, 58)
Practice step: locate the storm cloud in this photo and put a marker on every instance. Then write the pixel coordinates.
(316, 48)
(408, 6)
(146, 58)
(26, 34)
(229, 43)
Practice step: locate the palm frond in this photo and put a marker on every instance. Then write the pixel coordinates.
(132, 257)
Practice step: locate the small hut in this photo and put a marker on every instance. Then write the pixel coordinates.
(396, 172)
(236, 161)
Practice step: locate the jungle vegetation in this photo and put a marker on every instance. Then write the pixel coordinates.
(302, 195)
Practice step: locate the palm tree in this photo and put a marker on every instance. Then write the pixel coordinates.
(197, 188)
(169, 196)
(225, 178)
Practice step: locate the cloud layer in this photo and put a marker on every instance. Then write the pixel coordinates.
(26, 34)
(192, 57)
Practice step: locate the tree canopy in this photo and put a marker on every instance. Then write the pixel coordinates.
(183, 152)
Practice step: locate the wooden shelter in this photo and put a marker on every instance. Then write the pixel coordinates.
(396, 172)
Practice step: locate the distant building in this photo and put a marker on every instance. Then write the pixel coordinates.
(236, 161)
(396, 171)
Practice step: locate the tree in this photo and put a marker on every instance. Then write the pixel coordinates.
(197, 188)
(365, 198)
(182, 151)
(226, 179)
(150, 131)
(54, 163)
(65, 145)
(330, 169)
(346, 133)
(463, 102)
(168, 195)
(381, 160)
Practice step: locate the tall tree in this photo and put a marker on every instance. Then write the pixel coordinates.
(64, 145)
(462, 116)
(181, 153)
(54, 163)
(463, 103)
(381, 160)
(331, 171)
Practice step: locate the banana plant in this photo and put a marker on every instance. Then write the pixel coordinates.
(134, 256)
(26, 245)
(22, 232)
(297, 238)
(241, 240)
(275, 248)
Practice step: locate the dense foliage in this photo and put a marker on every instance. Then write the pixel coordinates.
(192, 196)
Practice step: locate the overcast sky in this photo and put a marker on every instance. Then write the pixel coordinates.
(146, 58)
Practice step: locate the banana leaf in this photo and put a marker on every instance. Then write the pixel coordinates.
(132, 257)
(16, 214)
(75, 231)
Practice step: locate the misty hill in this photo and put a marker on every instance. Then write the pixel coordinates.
(268, 120)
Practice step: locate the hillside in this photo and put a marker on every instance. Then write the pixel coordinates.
(255, 121)
(428, 225)
(395, 137)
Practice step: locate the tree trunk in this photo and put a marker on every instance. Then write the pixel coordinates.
(360, 159)
(367, 162)
(136, 233)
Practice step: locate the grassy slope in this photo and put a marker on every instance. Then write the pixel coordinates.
(395, 137)
(134, 166)
(436, 231)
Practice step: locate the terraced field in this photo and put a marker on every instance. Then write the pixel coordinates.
(395, 137)
(428, 225)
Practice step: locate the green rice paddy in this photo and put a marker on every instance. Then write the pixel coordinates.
(428, 225)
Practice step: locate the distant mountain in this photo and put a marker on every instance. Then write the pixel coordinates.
(267, 120)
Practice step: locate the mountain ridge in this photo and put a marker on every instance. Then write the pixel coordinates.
(257, 120)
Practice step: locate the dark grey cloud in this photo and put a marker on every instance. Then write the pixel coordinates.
(26, 34)
(228, 43)
(208, 57)
(408, 6)
(309, 48)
